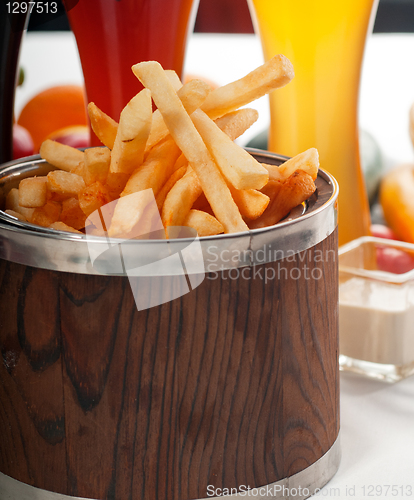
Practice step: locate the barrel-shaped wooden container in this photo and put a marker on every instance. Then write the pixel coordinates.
(230, 386)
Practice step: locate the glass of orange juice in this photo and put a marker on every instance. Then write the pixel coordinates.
(325, 42)
(113, 35)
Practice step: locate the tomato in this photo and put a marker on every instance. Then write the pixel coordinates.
(381, 231)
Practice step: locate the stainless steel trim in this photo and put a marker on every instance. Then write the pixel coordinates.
(310, 479)
(44, 248)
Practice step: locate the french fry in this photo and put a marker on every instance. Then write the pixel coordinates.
(61, 226)
(12, 203)
(189, 141)
(71, 214)
(93, 197)
(60, 155)
(204, 223)
(295, 190)
(235, 163)
(134, 215)
(151, 175)
(116, 182)
(275, 73)
(250, 202)
(180, 199)
(156, 169)
(64, 183)
(97, 162)
(33, 192)
(104, 127)
(192, 95)
(133, 131)
(162, 194)
(16, 215)
(235, 123)
(79, 170)
(274, 173)
(130, 214)
(181, 162)
(173, 78)
(272, 188)
(46, 215)
(308, 161)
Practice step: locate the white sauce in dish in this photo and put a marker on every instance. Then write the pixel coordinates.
(376, 321)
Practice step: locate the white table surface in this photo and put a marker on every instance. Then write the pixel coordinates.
(377, 419)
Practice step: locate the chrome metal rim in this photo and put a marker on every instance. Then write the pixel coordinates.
(26, 244)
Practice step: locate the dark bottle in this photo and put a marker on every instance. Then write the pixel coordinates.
(12, 26)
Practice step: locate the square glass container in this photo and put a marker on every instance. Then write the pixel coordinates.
(376, 308)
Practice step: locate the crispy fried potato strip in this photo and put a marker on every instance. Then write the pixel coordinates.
(189, 141)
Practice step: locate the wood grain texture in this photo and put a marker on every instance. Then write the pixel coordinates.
(235, 383)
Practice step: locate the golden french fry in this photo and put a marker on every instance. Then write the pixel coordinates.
(173, 78)
(189, 141)
(180, 199)
(133, 131)
(97, 162)
(204, 223)
(272, 188)
(181, 162)
(16, 215)
(93, 197)
(251, 203)
(104, 126)
(116, 182)
(235, 163)
(162, 194)
(156, 169)
(192, 95)
(135, 214)
(235, 123)
(79, 170)
(12, 203)
(33, 192)
(60, 155)
(294, 191)
(274, 173)
(64, 183)
(46, 215)
(71, 214)
(273, 74)
(158, 129)
(308, 161)
(152, 174)
(61, 226)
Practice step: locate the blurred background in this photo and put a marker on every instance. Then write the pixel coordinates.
(232, 16)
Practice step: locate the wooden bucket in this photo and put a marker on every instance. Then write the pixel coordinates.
(233, 386)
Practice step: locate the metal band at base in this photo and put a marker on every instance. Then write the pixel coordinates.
(296, 487)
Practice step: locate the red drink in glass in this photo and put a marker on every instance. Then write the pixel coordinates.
(113, 35)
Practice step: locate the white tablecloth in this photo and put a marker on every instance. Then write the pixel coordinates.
(377, 420)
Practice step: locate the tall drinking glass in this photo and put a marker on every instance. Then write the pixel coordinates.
(113, 35)
(325, 41)
(13, 22)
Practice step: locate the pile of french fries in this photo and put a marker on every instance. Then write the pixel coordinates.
(184, 152)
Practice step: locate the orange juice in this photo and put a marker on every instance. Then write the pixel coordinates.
(325, 42)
